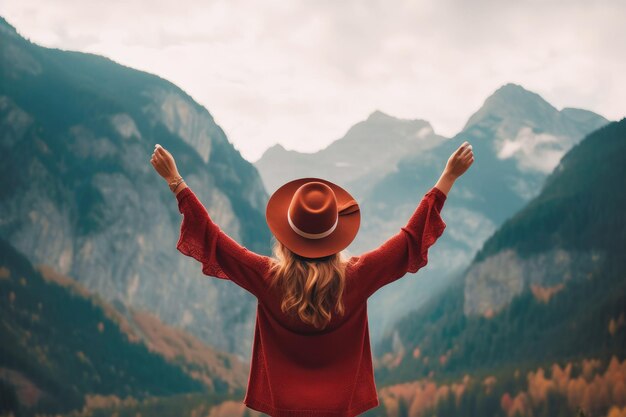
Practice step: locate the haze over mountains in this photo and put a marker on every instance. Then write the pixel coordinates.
(529, 272)
(517, 137)
(536, 324)
(91, 156)
(63, 346)
(366, 153)
(77, 131)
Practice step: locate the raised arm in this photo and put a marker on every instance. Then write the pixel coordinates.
(200, 238)
(456, 166)
(407, 251)
(219, 254)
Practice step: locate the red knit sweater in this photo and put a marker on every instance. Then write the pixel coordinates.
(297, 370)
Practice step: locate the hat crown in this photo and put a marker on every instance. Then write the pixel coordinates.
(313, 217)
(313, 208)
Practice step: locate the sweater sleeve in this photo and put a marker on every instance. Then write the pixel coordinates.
(406, 251)
(220, 255)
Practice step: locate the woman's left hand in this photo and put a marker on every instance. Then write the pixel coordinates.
(163, 162)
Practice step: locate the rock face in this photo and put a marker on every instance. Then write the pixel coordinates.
(547, 286)
(77, 132)
(388, 164)
(492, 283)
(62, 345)
(563, 235)
(517, 138)
(527, 135)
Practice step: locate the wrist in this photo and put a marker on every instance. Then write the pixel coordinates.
(445, 182)
(175, 184)
(447, 176)
(178, 187)
(173, 178)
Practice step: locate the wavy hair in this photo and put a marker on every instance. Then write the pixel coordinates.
(311, 287)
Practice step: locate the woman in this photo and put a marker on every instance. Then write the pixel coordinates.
(311, 354)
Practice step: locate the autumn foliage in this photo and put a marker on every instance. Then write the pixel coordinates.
(588, 385)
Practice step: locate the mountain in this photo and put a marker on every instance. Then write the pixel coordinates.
(368, 151)
(76, 134)
(546, 290)
(64, 347)
(566, 233)
(517, 139)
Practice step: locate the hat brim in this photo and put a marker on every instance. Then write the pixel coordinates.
(339, 239)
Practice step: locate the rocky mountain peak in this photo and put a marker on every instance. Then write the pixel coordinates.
(378, 115)
(512, 101)
(275, 150)
(101, 120)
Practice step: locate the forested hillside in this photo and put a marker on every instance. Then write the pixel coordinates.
(76, 134)
(561, 305)
(64, 348)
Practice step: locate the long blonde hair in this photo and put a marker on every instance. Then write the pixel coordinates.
(310, 286)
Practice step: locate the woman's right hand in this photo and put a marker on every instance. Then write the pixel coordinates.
(460, 160)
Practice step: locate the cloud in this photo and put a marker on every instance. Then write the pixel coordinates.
(301, 73)
(534, 151)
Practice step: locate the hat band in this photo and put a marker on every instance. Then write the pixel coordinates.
(311, 235)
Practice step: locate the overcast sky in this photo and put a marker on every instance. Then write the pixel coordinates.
(300, 73)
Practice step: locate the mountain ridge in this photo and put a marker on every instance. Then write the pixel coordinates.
(512, 157)
(81, 128)
(68, 344)
(375, 116)
(542, 303)
(379, 140)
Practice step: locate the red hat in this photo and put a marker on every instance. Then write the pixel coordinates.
(313, 217)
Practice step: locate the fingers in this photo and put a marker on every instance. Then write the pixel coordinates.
(156, 155)
(467, 150)
(461, 148)
(159, 150)
(466, 154)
